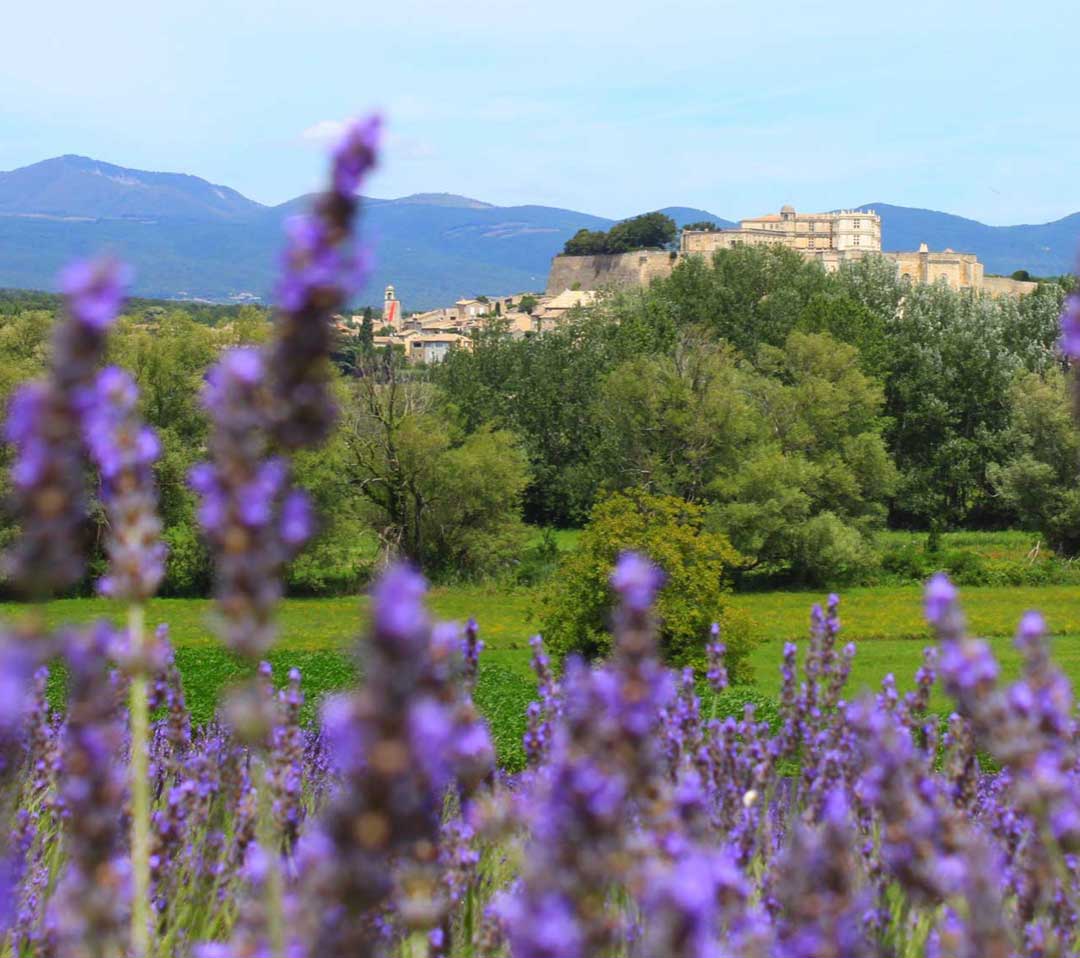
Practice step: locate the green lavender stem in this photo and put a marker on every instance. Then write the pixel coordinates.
(271, 843)
(140, 790)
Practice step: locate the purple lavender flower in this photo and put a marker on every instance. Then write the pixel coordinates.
(1070, 326)
(682, 902)
(253, 520)
(940, 603)
(321, 267)
(397, 607)
(637, 581)
(541, 713)
(43, 424)
(822, 903)
(287, 763)
(356, 155)
(398, 741)
(472, 645)
(17, 664)
(124, 450)
(91, 902)
(545, 927)
(717, 674)
(95, 291)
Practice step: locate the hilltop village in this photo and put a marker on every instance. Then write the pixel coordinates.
(578, 280)
(428, 336)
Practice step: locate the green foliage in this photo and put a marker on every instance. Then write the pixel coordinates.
(450, 502)
(671, 424)
(946, 358)
(732, 703)
(501, 695)
(539, 560)
(543, 390)
(586, 242)
(1042, 481)
(697, 564)
(647, 231)
(953, 359)
(789, 455)
(745, 295)
(844, 318)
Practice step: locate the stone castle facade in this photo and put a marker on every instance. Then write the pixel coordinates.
(813, 234)
(828, 238)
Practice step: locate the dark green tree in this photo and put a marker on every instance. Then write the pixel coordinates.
(367, 332)
(647, 231)
(586, 242)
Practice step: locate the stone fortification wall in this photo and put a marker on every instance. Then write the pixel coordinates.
(1006, 286)
(619, 270)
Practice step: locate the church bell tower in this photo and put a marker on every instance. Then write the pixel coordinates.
(391, 311)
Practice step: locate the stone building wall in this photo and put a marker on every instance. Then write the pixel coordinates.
(605, 270)
(1006, 286)
(628, 270)
(959, 270)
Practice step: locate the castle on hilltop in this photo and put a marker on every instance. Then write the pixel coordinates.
(832, 236)
(828, 238)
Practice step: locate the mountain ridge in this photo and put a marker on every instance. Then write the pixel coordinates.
(189, 238)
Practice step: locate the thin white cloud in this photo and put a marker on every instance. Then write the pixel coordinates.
(324, 132)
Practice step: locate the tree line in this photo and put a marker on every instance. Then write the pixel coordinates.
(794, 412)
(803, 410)
(647, 231)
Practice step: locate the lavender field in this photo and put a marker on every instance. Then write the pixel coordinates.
(938, 814)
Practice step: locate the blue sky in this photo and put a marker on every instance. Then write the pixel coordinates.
(607, 107)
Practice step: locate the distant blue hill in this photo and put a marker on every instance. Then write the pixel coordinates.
(192, 239)
(683, 215)
(1047, 249)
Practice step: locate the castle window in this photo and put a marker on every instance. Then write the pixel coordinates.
(855, 241)
(813, 226)
(858, 223)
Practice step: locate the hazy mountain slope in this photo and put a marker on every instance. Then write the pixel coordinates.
(682, 215)
(191, 239)
(1044, 250)
(76, 186)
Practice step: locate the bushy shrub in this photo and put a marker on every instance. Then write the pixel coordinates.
(187, 570)
(539, 560)
(576, 607)
(831, 552)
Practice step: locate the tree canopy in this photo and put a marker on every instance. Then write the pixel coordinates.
(647, 231)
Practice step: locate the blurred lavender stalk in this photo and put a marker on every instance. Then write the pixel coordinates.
(123, 449)
(263, 405)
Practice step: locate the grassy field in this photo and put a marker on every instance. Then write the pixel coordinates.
(1007, 544)
(885, 622)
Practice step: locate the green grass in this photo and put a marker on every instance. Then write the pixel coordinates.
(1008, 544)
(895, 612)
(565, 539)
(316, 636)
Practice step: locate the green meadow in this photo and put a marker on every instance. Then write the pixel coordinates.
(317, 636)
